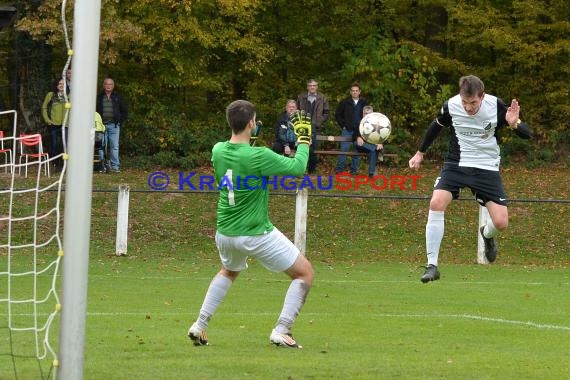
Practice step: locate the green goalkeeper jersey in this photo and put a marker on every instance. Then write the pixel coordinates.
(244, 175)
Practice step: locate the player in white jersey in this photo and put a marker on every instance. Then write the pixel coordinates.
(472, 161)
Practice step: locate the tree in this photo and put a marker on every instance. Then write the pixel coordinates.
(179, 63)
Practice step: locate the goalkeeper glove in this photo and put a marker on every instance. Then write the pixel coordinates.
(301, 122)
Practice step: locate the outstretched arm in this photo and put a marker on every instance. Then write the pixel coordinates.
(443, 119)
(432, 132)
(512, 117)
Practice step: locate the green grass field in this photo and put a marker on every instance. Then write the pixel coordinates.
(367, 316)
(361, 321)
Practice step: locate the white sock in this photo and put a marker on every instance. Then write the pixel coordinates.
(434, 235)
(490, 230)
(214, 296)
(294, 300)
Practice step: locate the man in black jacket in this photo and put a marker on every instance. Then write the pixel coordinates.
(348, 115)
(113, 111)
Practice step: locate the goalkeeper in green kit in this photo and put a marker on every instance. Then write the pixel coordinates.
(243, 226)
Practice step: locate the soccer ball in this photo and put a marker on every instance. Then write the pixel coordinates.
(375, 128)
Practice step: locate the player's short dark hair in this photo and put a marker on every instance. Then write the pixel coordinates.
(238, 114)
(470, 85)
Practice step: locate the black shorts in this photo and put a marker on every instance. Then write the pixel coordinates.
(486, 185)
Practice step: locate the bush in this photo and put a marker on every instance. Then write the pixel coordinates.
(169, 139)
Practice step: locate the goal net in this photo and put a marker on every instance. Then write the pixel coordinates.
(30, 255)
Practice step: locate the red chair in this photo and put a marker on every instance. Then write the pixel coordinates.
(7, 152)
(33, 143)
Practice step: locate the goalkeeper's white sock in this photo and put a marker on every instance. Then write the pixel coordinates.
(434, 235)
(294, 300)
(490, 231)
(214, 296)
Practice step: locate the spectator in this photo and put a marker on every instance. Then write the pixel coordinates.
(99, 146)
(373, 150)
(53, 113)
(68, 79)
(348, 115)
(285, 138)
(473, 158)
(113, 111)
(317, 105)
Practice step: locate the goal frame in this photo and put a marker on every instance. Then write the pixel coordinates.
(78, 189)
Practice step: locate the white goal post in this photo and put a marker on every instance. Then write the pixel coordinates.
(77, 217)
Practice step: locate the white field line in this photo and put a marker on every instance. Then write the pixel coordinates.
(536, 325)
(540, 326)
(361, 282)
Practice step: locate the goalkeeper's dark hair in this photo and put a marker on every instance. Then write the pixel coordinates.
(238, 114)
(470, 85)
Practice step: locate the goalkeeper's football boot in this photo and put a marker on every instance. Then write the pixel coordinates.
(490, 247)
(198, 336)
(431, 274)
(283, 340)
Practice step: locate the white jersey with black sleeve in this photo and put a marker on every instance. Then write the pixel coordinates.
(473, 140)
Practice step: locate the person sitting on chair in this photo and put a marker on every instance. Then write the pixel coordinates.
(285, 139)
(374, 151)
